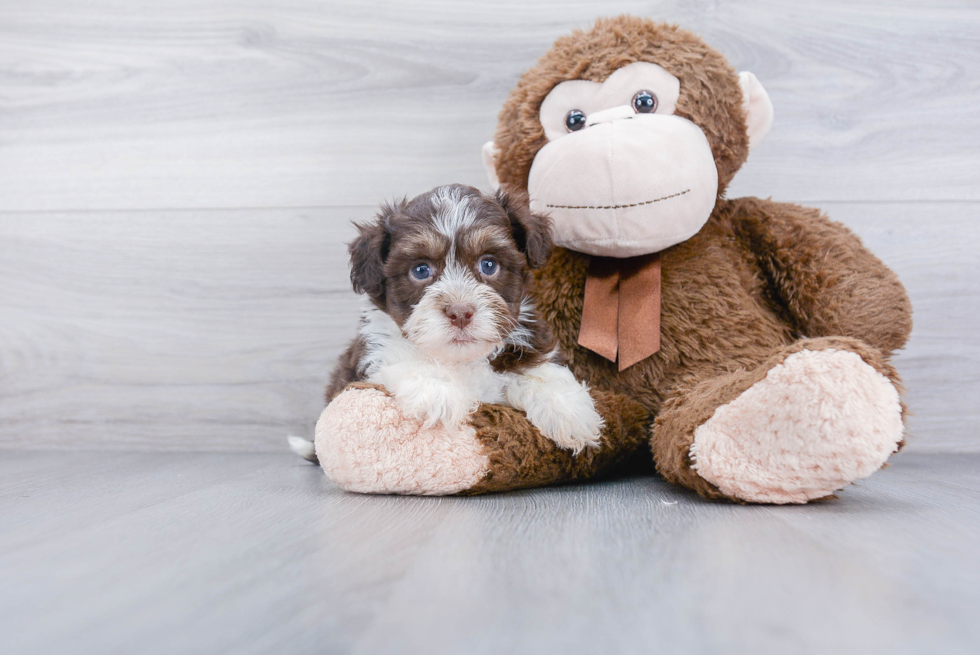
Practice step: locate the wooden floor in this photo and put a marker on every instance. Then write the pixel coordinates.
(258, 553)
(177, 181)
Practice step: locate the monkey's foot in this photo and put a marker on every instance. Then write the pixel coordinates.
(816, 422)
(365, 444)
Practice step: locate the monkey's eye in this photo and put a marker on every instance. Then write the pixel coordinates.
(421, 271)
(644, 102)
(574, 120)
(489, 266)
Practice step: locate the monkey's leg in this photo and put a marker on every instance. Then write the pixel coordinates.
(365, 444)
(816, 416)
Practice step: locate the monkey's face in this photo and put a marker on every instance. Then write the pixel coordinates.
(627, 135)
(621, 175)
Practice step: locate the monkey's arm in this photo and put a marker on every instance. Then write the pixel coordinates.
(822, 275)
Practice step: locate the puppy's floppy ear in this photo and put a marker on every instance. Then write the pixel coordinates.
(368, 253)
(532, 232)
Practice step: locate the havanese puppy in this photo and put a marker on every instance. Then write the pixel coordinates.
(451, 321)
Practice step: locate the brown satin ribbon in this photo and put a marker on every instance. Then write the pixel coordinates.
(621, 310)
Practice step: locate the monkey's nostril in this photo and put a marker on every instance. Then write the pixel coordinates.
(460, 314)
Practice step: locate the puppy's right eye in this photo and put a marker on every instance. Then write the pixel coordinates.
(421, 272)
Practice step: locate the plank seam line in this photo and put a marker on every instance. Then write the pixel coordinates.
(372, 207)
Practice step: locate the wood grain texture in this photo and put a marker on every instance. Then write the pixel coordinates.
(215, 330)
(244, 553)
(177, 181)
(109, 105)
(202, 330)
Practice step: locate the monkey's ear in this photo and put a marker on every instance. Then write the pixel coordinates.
(532, 232)
(489, 162)
(368, 253)
(757, 106)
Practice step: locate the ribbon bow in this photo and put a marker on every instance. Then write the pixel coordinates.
(621, 310)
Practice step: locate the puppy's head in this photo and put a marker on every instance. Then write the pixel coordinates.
(451, 267)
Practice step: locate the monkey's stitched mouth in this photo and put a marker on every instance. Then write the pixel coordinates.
(634, 204)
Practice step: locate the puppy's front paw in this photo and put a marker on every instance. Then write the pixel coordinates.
(572, 425)
(559, 406)
(433, 401)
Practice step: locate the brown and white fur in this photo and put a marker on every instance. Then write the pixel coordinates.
(450, 321)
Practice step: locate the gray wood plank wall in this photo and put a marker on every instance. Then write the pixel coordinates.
(177, 181)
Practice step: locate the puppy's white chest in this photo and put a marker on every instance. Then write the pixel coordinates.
(479, 381)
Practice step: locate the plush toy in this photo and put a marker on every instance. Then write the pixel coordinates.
(746, 341)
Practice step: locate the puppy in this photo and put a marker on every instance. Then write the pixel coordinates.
(450, 321)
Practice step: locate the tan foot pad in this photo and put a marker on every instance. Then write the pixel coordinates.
(365, 444)
(815, 423)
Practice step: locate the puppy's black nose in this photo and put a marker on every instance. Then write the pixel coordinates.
(459, 314)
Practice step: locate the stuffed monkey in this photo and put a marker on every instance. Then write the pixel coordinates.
(746, 341)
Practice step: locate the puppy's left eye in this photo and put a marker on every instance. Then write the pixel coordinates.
(489, 266)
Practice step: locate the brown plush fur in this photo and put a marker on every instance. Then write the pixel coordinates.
(521, 457)
(728, 303)
(760, 281)
(733, 305)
